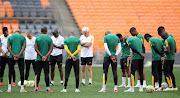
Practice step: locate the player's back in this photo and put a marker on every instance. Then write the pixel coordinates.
(72, 43)
(170, 41)
(112, 41)
(140, 37)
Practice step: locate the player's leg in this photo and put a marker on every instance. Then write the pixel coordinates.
(128, 73)
(37, 77)
(83, 70)
(138, 79)
(76, 71)
(11, 67)
(2, 67)
(89, 63)
(141, 67)
(68, 67)
(166, 69)
(172, 74)
(14, 75)
(46, 75)
(114, 70)
(34, 64)
(123, 73)
(28, 63)
(59, 63)
(53, 62)
(134, 65)
(153, 67)
(144, 78)
(159, 75)
(106, 63)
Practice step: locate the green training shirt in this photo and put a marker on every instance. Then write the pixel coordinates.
(137, 44)
(170, 41)
(125, 50)
(112, 42)
(16, 41)
(140, 37)
(156, 43)
(72, 43)
(43, 42)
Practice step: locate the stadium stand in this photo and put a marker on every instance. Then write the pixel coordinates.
(118, 16)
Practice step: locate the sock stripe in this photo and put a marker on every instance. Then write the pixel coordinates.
(152, 80)
(132, 80)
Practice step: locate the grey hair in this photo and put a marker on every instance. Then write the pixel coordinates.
(28, 32)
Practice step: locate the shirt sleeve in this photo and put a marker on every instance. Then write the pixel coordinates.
(36, 41)
(51, 42)
(142, 40)
(62, 41)
(79, 42)
(105, 40)
(65, 42)
(151, 43)
(9, 40)
(24, 40)
(92, 39)
(128, 42)
(166, 43)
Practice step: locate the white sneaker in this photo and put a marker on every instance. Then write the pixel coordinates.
(159, 89)
(144, 86)
(64, 90)
(129, 90)
(168, 89)
(175, 89)
(102, 90)
(9, 90)
(51, 83)
(22, 90)
(77, 90)
(122, 85)
(137, 85)
(156, 87)
(128, 86)
(1, 91)
(140, 89)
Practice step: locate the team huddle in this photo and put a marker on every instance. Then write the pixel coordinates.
(43, 51)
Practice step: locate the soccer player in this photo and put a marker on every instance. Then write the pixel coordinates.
(137, 61)
(16, 45)
(161, 29)
(135, 33)
(110, 43)
(124, 61)
(157, 59)
(72, 46)
(43, 47)
(5, 55)
(30, 53)
(170, 50)
(56, 55)
(87, 41)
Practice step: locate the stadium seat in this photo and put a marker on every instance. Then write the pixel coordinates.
(2, 11)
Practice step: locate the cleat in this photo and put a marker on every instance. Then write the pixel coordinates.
(38, 87)
(137, 85)
(22, 90)
(128, 86)
(1, 91)
(90, 84)
(168, 89)
(159, 89)
(115, 90)
(121, 85)
(49, 91)
(1, 84)
(51, 84)
(64, 90)
(102, 90)
(144, 86)
(77, 90)
(82, 84)
(129, 90)
(35, 90)
(156, 87)
(140, 90)
(9, 90)
(13, 84)
(175, 89)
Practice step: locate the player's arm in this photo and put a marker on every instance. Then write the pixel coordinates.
(50, 50)
(143, 48)
(134, 50)
(162, 52)
(107, 49)
(175, 49)
(86, 44)
(119, 49)
(67, 50)
(1, 47)
(157, 51)
(167, 47)
(60, 47)
(37, 50)
(9, 49)
(77, 51)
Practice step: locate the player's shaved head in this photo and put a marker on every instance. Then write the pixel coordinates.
(164, 35)
(71, 34)
(18, 32)
(147, 37)
(44, 30)
(160, 30)
(107, 32)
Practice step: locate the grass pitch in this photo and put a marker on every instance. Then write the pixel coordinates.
(86, 91)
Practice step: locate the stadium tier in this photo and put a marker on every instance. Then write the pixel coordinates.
(118, 16)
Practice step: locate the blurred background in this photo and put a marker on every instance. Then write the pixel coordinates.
(117, 16)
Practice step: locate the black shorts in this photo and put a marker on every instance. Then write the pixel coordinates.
(137, 64)
(124, 63)
(56, 59)
(86, 60)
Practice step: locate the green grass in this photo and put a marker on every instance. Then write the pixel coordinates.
(86, 92)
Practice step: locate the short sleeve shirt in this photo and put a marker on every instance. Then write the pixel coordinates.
(170, 42)
(125, 50)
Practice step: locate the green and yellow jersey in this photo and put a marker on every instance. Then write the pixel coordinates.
(170, 42)
(140, 37)
(125, 50)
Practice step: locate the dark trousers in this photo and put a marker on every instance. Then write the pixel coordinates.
(3, 62)
(168, 72)
(107, 61)
(137, 64)
(28, 63)
(45, 66)
(20, 62)
(156, 72)
(69, 64)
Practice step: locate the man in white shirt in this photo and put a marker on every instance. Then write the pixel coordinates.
(30, 53)
(87, 41)
(56, 55)
(4, 55)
